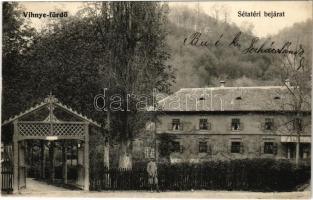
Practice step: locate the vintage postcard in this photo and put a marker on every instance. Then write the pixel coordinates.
(125, 99)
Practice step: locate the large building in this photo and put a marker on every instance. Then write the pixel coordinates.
(200, 124)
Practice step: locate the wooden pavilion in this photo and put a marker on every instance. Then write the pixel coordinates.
(50, 122)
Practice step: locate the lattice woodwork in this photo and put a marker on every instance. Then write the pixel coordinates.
(45, 129)
(33, 129)
(69, 129)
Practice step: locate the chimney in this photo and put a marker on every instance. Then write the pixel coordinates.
(222, 83)
(287, 82)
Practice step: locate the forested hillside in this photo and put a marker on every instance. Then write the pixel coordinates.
(199, 67)
(69, 60)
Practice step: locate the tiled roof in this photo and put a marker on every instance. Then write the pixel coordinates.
(263, 98)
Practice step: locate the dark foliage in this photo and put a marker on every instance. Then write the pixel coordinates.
(248, 174)
(200, 67)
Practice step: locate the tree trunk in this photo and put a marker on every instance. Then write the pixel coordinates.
(106, 153)
(125, 157)
(106, 149)
(298, 150)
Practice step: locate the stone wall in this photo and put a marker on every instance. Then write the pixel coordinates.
(219, 137)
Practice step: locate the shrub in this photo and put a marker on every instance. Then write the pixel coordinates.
(245, 174)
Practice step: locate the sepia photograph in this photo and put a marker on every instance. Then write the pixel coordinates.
(156, 99)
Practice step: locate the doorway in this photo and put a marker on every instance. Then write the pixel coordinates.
(54, 162)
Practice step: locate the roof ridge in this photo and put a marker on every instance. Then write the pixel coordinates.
(235, 87)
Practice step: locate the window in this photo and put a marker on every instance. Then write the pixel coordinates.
(137, 144)
(201, 98)
(203, 147)
(150, 126)
(235, 124)
(235, 147)
(269, 124)
(176, 146)
(176, 124)
(149, 152)
(298, 124)
(268, 147)
(238, 98)
(152, 153)
(203, 124)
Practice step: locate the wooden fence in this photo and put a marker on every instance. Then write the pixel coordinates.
(6, 169)
(169, 178)
(249, 175)
(119, 179)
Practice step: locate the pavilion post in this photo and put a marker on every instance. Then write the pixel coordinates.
(64, 156)
(52, 161)
(43, 164)
(15, 159)
(86, 158)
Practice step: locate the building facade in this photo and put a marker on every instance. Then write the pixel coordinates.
(222, 123)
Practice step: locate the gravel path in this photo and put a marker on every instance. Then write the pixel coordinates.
(36, 188)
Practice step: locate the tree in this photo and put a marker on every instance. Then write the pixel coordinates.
(216, 12)
(226, 10)
(296, 99)
(17, 37)
(247, 27)
(64, 60)
(134, 34)
(115, 45)
(296, 71)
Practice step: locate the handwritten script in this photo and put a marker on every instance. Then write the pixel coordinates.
(255, 45)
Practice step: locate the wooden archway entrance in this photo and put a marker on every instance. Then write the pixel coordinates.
(52, 130)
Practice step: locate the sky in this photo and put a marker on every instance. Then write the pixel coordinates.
(295, 11)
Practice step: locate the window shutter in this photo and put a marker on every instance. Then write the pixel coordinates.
(146, 152)
(209, 149)
(170, 126)
(241, 126)
(209, 126)
(262, 126)
(262, 148)
(181, 126)
(181, 148)
(275, 148)
(274, 126)
(152, 152)
(197, 126)
(241, 148)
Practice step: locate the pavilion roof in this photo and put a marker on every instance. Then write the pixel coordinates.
(52, 100)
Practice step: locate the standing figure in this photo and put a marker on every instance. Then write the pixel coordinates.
(152, 175)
